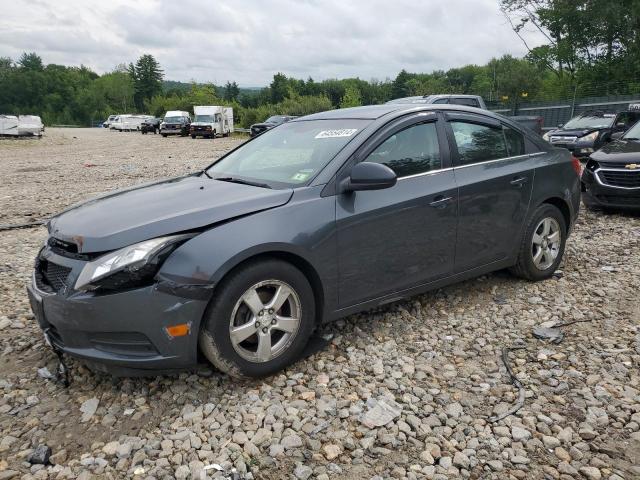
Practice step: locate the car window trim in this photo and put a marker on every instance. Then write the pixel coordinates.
(382, 133)
(476, 120)
(503, 159)
(431, 120)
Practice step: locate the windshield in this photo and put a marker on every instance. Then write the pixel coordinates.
(633, 133)
(290, 154)
(589, 122)
(204, 118)
(274, 119)
(174, 119)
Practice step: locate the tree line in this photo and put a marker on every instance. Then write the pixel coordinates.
(592, 47)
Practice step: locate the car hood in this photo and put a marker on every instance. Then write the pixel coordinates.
(619, 152)
(574, 132)
(129, 216)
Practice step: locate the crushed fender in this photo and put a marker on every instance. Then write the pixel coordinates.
(196, 291)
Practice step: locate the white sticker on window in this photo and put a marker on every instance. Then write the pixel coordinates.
(342, 132)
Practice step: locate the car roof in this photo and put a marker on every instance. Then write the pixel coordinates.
(373, 112)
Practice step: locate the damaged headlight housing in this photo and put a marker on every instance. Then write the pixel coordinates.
(590, 137)
(129, 267)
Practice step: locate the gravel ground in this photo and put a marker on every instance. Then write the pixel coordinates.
(400, 392)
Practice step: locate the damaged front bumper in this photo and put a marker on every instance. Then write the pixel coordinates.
(122, 333)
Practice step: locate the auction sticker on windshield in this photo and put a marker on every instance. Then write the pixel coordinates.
(342, 132)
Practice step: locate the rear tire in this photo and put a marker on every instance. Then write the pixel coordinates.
(193, 136)
(265, 339)
(542, 245)
(164, 135)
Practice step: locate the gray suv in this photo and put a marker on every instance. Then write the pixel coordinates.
(315, 219)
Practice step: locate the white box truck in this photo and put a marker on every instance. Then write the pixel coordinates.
(212, 120)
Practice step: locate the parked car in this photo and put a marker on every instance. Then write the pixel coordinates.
(150, 125)
(175, 123)
(210, 121)
(321, 217)
(468, 100)
(611, 177)
(258, 128)
(588, 132)
(128, 122)
(107, 123)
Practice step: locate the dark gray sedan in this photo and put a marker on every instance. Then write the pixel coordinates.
(316, 219)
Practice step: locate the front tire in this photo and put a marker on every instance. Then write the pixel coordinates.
(543, 244)
(260, 319)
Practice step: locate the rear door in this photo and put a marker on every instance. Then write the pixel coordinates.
(494, 176)
(403, 236)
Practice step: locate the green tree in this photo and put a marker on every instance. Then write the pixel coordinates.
(279, 88)
(231, 91)
(400, 86)
(515, 79)
(351, 97)
(147, 78)
(31, 61)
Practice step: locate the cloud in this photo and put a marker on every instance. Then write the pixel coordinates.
(250, 40)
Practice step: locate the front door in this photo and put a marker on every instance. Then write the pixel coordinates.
(393, 239)
(494, 176)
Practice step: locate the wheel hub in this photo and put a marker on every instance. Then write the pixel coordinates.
(265, 320)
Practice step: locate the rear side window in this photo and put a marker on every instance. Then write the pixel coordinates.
(515, 142)
(478, 143)
(410, 151)
(469, 102)
(442, 100)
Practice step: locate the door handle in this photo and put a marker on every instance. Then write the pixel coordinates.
(440, 201)
(518, 181)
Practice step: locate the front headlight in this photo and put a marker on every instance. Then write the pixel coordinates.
(162, 125)
(592, 137)
(545, 137)
(128, 266)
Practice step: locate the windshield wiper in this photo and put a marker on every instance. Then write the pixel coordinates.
(243, 182)
(208, 176)
(630, 138)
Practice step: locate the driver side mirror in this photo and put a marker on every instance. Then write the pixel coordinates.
(369, 176)
(617, 135)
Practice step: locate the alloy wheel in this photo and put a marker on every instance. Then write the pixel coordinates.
(265, 321)
(545, 244)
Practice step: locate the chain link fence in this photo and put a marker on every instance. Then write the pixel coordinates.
(556, 112)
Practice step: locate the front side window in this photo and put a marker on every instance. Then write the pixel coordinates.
(410, 151)
(515, 142)
(290, 154)
(478, 143)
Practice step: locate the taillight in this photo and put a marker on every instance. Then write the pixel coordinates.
(577, 166)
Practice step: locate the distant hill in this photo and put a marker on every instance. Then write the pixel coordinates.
(169, 85)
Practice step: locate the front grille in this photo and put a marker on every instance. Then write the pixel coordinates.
(51, 277)
(563, 140)
(620, 178)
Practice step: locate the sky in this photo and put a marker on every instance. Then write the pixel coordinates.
(248, 41)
